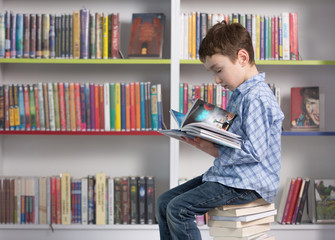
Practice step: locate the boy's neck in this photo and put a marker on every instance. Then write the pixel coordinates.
(252, 71)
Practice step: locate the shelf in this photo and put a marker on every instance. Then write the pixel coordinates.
(304, 226)
(78, 227)
(277, 62)
(93, 133)
(308, 133)
(86, 61)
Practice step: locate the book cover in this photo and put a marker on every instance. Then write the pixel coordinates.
(293, 201)
(282, 203)
(242, 211)
(303, 201)
(325, 200)
(288, 201)
(258, 202)
(240, 224)
(147, 35)
(239, 232)
(305, 107)
(206, 121)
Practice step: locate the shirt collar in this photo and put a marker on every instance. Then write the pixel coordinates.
(251, 82)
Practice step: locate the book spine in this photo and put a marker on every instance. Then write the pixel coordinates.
(110, 183)
(133, 200)
(123, 107)
(45, 35)
(107, 106)
(99, 35)
(52, 36)
(154, 112)
(150, 188)
(159, 107)
(76, 34)
(105, 37)
(37, 107)
(125, 201)
(16, 107)
(142, 200)
(92, 96)
(143, 114)
(101, 107)
(62, 109)
(127, 87)
(91, 205)
(84, 201)
(296, 208)
(2, 35)
(56, 106)
(137, 106)
(112, 103)
(92, 36)
(67, 106)
(77, 106)
(100, 199)
(84, 33)
(96, 107)
(32, 107)
(148, 104)
(115, 35)
(41, 105)
(88, 106)
(72, 105)
(117, 201)
(303, 201)
(83, 107)
(13, 35)
(132, 107)
(38, 35)
(117, 107)
(288, 200)
(46, 106)
(66, 198)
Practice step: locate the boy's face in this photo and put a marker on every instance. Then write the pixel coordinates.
(226, 73)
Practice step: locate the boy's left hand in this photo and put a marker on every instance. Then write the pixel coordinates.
(205, 146)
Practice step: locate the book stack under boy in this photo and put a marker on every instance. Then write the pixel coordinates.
(249, 221)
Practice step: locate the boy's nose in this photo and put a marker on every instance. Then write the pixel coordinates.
(217, 80)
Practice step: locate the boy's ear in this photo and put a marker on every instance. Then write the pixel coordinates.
(243, 57)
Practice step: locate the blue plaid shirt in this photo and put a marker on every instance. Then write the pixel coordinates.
(259, 120)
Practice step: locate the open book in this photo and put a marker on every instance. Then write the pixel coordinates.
(206, 121)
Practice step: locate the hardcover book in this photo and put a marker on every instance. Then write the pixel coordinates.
(147, 35)
(305, 108)
(325, 200)
(206, 121)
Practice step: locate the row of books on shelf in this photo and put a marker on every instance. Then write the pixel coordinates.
(245, 221)
(316, 196)
(273, 37)
(210, 93)
(97, 199)
(78, 35)
(135, 106)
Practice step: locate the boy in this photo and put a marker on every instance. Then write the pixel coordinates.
(237, 176)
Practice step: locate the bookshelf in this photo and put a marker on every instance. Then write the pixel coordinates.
(307, 154)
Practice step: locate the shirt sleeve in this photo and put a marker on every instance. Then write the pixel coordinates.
(256, 135)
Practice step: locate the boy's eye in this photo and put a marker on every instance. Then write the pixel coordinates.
(218, 71)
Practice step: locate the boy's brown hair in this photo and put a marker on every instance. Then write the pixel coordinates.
(228, 40)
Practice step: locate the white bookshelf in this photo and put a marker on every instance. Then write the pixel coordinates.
(167, 159)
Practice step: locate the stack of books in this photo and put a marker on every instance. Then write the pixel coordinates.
(249, 221)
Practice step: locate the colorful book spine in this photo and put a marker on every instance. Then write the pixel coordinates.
(51, 107)
(72, 105)
(67, 105)
(107, 106)
(83, 107)
(132, 107)
(88, 106)
(37, 107)
(127, 107)
(84, 33)
(93, 36)
(112, 103)
(52, 36)
(46, 106)
(2, 36)
(142, 94)
(99, 35)
(137, 106)
(21, 107)
(62, 108)
(45, 35)
(56, 106)
(96, 107)
(115, 35)
(32, 107)
(105, 37)
(92, 96)
(117, 107)
(77, 106)
(101, 107)
(159, 107)
(41, 106)
(13, 35)
(123, 107)
(76, 34)
(154, 111)
(38, 35)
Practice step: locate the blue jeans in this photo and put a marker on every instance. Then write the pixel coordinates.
(178, 207)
